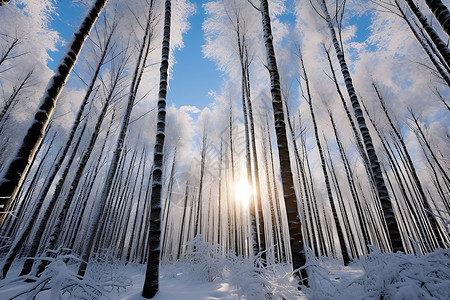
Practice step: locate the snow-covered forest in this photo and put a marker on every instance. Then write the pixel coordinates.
(318, 169)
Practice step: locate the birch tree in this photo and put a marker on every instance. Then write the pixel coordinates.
(441, 13)
(392, 226)
(437, 41)
(137, 75)
(151, 282)
(13, 176)
(324, 168)
(290, 199)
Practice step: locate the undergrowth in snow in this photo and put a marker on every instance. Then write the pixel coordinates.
(58, 278)
(252, 278)
(381, 276)
(205, 273)
(108, 271)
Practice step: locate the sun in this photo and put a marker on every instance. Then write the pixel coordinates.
(242, 192)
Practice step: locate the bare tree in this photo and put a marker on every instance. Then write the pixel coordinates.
(394, 232)
(13, 177)
(308, 98)
(151, 282)
(290, 199)
(441, 13)
(137, 75)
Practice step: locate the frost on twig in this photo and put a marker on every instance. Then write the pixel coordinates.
(254, 278)
(61, 279)
(381, 276)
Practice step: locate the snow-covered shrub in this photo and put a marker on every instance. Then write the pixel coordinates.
(205, 260)
(107, 270)
(256, 279)
(406, 276)
(60, 279)
(253, 278)
(322, 285)
(379, 275)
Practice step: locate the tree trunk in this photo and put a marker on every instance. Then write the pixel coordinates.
(51, 244)
(445, 76)
(441, 13)
(437, 41)
(337, 222)
(426, 206)
(151, 282)
(295, 231)
(394, 233)
(351, 185)
(12, 179)
(140, 66)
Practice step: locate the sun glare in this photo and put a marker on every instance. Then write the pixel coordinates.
(242, 192)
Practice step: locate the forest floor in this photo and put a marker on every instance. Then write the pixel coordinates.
(376, 276)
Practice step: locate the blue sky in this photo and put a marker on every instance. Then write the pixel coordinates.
(193, 76)
(65, 21)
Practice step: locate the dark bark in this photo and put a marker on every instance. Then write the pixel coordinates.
(151, 282)
(437, 41)
(411, 167)
(441, 13)
(17, 169)
(388, 212)
(295, 231)
(101, 202)
(337, 222)
(445, 76)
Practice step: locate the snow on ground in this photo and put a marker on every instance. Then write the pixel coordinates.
(172, 286)
(203, 277)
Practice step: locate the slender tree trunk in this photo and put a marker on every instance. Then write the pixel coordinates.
(295, 231)
(77, 220)
(49, 180)
(337, 222)
(445, 76)
(182, 228)
(356, 134)
(198, 217)
(12, 99)
(233, 208)
(241, 45)
(351, 184)
(12, 222)
(13, 44)
(437, 41)
(257, 184)
(343, 210)
(133, 229)
(412, 169)
(13, 177)
(151, 282)
(140, 66)
(51, 244)
(21, 238)
(441, 13)
(394, 233)
(421, 136)
(220, 219)
(166, 212)
(442, 99)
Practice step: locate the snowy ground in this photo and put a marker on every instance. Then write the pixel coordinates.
(173, 285)
(377, 276)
